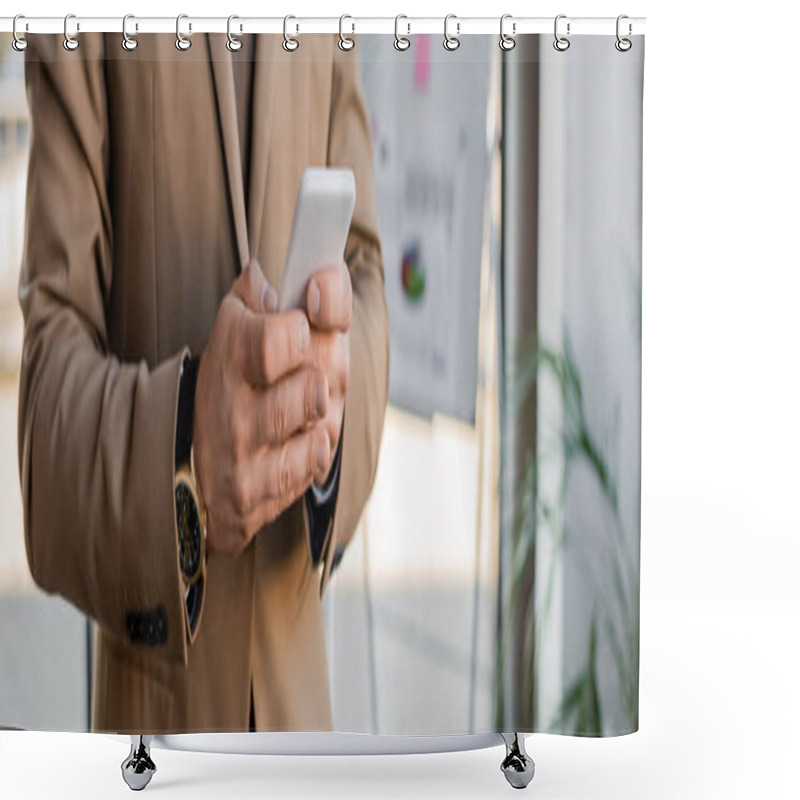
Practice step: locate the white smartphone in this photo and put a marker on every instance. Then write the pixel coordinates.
(322, 215)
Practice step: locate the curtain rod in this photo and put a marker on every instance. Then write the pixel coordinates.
(298, 25)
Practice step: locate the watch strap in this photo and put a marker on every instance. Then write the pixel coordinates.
(184, 424)
(192, 598)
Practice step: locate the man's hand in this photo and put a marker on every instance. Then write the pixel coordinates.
(258, 396)
(329, 305)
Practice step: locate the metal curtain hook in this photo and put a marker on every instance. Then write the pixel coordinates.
(19, 43)
(623, 45)
(128, 42)
(233, 44)
(561, 43)
(290, 43)
(181, 42)
(70, 42)
(401, 43)
(451, 42)
(345, 42)
(507, 42)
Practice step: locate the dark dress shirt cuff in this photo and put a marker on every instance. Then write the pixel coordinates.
(183, 448)
(321, 504)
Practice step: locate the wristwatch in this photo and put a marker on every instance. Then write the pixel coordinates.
(190, 511)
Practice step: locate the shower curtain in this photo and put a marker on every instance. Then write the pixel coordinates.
(409, 505)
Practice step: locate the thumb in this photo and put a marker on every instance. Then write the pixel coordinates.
(254, 290)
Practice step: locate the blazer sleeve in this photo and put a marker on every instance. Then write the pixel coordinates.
(350, 145)
(95, 434)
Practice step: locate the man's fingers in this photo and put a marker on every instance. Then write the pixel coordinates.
(273, 345)
(329, 298)
(331, 353)
(253, 289)
(289, 405)
(283, 473)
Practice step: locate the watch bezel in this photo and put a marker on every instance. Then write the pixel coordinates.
(183, 478)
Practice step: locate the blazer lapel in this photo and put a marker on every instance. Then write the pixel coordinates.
(267, 49)
(220, 58)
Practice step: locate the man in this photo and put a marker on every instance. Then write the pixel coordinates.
(160, 388)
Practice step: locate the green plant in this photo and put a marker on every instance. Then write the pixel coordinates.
(615, 621)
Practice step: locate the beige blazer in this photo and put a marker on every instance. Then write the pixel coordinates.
(136, 227)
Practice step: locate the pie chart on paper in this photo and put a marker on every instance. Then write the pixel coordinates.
(412, 275)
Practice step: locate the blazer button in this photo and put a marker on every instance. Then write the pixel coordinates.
(130, 625)
(147, 627)
(151, 629)
(160, 625)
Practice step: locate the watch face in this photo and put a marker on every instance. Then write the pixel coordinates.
(190, 534)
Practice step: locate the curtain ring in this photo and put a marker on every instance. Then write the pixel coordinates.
(19, 43)
(181, 42)
(128, 42)
(507, 42)
(290, 43)
(623, 45)
(345, 42)
(70, 42)
(451, 42)
(233, 44)
(401, 43)
(561, 43)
